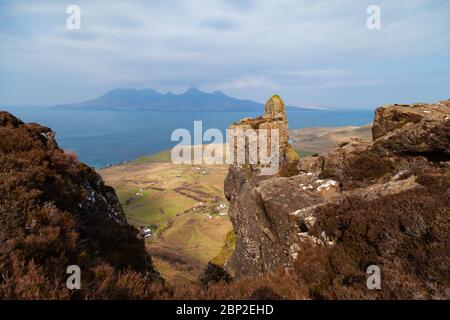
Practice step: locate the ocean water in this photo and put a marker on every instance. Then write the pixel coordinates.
(101, 138)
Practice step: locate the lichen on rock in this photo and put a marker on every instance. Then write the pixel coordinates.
(275, 109)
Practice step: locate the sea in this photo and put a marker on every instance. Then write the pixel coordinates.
(103, 138)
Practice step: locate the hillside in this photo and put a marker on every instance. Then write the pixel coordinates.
(151, 100)
(181, 205)
(56, 212)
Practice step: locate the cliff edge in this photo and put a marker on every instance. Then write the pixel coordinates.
(56, 212)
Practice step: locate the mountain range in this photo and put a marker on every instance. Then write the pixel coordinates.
(151, 100)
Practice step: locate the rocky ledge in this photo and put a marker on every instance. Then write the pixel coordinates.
(384, 202)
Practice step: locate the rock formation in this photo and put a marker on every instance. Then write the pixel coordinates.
(384, 202)
(56, 212)
(273, 120)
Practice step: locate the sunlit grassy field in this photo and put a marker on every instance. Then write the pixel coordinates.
(179, 199)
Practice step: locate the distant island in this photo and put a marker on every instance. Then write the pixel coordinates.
(151, 100)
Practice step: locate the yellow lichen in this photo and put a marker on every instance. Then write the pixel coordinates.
(291, 154)
(226, 250)
(274, 107)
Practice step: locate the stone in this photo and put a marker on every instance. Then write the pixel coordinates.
(275, 109)
(274, 118)
(280, 219)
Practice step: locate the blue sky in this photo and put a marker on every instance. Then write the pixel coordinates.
(311, 52)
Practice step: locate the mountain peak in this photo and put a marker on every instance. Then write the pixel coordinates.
(218, 92)
(192, 90)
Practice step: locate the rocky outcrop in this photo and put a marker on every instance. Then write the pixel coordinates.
(259, 133)
(243, 185)
(54, 212)
(383, 202)
(417, 128)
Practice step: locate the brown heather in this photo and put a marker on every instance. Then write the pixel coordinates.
(55, 212)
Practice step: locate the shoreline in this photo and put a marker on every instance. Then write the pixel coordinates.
(306, 141)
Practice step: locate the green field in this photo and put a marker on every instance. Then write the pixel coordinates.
(304, 153)
(163, 156)
(168, 196)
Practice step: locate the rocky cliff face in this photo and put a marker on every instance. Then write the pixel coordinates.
(55, 212)
(384, 202)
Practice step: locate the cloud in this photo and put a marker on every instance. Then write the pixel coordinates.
(219, 24)
(315, 73)
(300, 48)
(253, 82)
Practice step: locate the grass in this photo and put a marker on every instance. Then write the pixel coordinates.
(304, 153)
(161, 228)
(226, 250)
(169, 272)
(199, 236)
(149, 211)
(163, 156)
(192, 236)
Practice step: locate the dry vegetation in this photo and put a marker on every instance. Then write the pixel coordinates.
(54, 212)
(409, 240)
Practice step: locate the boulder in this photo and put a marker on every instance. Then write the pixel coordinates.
(414, 129)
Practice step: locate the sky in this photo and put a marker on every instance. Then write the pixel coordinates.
(311, 52)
